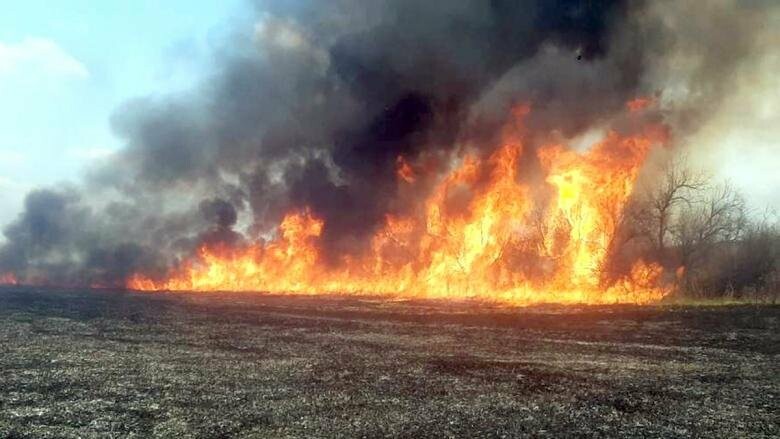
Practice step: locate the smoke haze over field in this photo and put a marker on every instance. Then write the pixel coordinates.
(313, 104)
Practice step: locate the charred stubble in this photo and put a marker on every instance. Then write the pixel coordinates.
(107, 364)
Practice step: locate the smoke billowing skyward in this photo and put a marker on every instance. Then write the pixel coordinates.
(317, 104)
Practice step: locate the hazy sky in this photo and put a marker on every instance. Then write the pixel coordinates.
(741, 141)
(65, 65)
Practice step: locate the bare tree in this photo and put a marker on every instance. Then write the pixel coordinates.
(700, 231)
(718, 217)
(654, 210)
(753, 264)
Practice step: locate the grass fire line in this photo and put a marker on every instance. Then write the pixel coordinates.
(494, 246)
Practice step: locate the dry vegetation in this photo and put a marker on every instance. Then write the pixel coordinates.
(711, 244)
(109, 364)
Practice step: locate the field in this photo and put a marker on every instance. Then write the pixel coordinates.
(118, 364)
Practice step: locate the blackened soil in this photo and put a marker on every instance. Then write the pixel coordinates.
(119, 364)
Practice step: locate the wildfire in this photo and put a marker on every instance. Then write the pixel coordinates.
(482, 232)
(404, 171)
(639, 104)
(8, 279)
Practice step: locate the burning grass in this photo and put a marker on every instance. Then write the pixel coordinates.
(483, 230)
(103, 364)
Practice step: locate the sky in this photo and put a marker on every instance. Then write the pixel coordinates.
(65, 65)
(741, 141)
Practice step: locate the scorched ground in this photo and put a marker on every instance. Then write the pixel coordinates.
(111, 364)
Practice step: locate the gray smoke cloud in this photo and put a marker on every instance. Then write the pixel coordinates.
(312, 106)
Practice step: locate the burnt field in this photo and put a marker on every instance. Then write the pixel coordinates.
(115, 364)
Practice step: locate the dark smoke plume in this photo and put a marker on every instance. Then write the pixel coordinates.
(313, 106)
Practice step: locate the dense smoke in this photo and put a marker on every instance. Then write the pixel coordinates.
(313, 106)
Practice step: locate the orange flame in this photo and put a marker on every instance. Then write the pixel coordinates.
(8, 279)
(404, 170)
(639, 104)
(480, 233)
